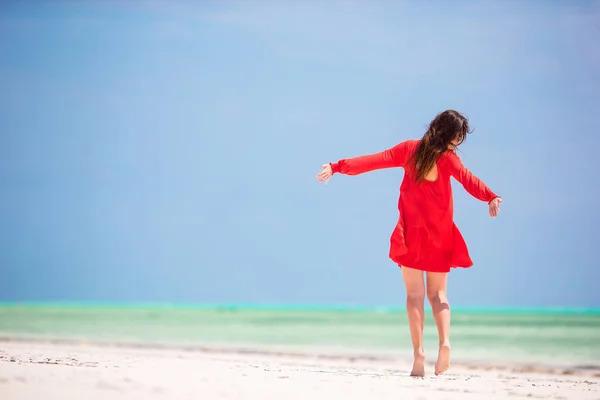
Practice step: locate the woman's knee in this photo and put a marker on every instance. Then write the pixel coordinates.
(437, 296)
(416, 297)
(414, 284)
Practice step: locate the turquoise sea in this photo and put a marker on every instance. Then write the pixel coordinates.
(561, 338)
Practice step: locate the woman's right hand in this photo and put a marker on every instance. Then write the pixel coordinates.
(325, 174)
(495, 206)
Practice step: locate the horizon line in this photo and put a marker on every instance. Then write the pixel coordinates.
(294, 306)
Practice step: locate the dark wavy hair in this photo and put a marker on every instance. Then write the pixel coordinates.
(443, 129)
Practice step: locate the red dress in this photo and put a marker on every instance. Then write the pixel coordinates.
(425, 237)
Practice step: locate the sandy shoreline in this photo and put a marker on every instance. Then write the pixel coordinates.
(296, 352)
(71, 370)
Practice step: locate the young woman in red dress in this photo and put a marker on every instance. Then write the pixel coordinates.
(425, 239)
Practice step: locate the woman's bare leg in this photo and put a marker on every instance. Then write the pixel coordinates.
(436, 293)
(415, 299)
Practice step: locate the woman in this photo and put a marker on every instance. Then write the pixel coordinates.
(425, 238)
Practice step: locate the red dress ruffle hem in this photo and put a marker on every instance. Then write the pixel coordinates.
(425, 237)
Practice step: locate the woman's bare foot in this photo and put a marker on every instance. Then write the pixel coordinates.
(443, 362)
(418, 368)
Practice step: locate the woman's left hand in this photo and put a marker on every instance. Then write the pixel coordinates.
(325, 174)
(495, 207)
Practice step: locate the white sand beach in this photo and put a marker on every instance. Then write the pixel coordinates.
(39, 370)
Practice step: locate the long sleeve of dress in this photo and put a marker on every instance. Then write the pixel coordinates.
(473, 185)
(394, 157)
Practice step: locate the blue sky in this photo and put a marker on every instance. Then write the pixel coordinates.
(167, 151)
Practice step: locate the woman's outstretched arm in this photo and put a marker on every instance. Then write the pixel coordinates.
(396, 156)
(390, 158)
(473, 185)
